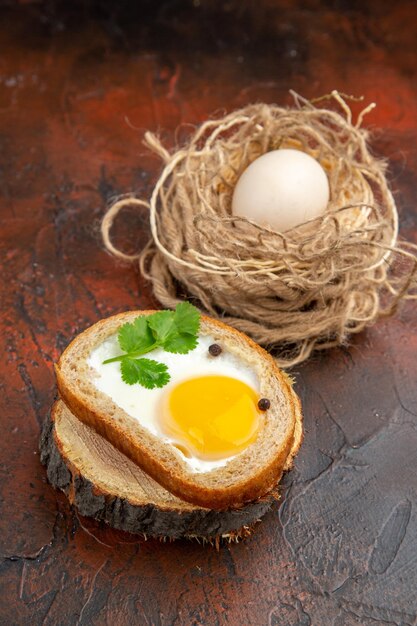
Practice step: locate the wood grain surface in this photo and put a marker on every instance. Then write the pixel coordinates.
(79, 84)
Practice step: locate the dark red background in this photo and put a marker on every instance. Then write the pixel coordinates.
(79, 84)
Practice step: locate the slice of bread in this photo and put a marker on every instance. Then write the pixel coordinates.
(246, 477)
(104, 484)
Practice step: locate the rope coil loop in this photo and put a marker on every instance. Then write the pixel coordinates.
(107, 223)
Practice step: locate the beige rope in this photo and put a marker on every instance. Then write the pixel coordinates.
(107, 223)
(302, 290)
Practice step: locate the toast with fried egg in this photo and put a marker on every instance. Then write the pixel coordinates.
(243, 477)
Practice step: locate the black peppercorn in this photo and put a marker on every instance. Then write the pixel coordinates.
(215, 349)
(264, 404)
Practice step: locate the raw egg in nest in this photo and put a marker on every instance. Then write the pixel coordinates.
(282, 189)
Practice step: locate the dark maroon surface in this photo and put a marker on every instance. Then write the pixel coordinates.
(79, 84)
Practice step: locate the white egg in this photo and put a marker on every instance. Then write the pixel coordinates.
(144, 404)
(282, 189)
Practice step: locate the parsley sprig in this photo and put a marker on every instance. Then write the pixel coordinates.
(174, 331)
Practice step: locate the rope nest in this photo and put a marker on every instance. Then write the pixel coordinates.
(306, 289)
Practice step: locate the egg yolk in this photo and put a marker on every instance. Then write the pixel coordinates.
(211, 417)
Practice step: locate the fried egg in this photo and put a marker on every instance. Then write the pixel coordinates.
(208, 411)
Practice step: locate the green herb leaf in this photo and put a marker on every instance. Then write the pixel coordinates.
(187, 319)
(187, 324)
(180, 344)
(146, 372)
(162, 325)
(136, 337)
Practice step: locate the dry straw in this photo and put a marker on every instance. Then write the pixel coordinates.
(298, 291)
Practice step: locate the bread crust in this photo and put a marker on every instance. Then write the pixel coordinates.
(139, 446)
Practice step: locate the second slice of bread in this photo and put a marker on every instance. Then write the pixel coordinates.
(246, 477)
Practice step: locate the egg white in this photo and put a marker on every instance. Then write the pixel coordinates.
(142, 404)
